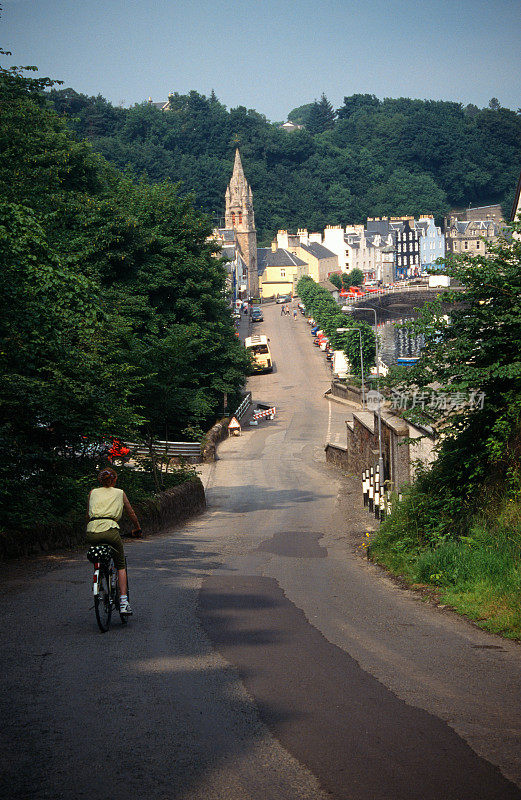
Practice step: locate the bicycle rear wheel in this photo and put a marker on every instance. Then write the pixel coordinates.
(103, 600)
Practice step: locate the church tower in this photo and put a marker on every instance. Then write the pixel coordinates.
(239, 216)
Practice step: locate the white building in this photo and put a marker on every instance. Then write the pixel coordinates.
(358, 248)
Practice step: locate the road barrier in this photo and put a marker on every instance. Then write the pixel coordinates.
(269, 413)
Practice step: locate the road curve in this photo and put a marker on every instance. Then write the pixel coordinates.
(266, 658)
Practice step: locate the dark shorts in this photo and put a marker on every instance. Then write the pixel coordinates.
(112, 537)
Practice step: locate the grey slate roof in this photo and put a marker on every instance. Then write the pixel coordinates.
(228, 252)
(329, 286)
(380, 226)
(227, 234)
(280, 258)
(476, 227)
(317, 250)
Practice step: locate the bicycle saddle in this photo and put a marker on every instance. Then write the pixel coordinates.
(100, 553)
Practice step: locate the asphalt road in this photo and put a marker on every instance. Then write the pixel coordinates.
(266, 658)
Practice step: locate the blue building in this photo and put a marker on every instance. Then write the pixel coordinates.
(432, 242)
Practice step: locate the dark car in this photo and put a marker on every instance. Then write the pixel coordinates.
(256, 314)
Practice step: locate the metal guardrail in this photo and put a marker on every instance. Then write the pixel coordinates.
(243, 408)
(167, 449)
(395, 290)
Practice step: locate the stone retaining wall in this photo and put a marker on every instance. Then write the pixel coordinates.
(337, 455)
(399, 453)
(213, 437)
(353, 394)
(168, 508)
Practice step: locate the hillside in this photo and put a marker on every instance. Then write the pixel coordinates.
(371, 157)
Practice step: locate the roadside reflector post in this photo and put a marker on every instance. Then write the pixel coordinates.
(364, 494)
(377, 503)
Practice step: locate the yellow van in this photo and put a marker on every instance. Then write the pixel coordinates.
(258, 345)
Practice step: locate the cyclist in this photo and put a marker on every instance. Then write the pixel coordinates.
(104, 510)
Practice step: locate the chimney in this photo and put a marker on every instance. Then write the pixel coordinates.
(274, 246)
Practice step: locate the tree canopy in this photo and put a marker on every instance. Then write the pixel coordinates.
(320, 304)
(468, 379)
(113, 313)
(371, 157)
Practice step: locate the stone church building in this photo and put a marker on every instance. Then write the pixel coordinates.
(239, 217)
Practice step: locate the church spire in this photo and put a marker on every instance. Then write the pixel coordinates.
(239, 199)
(239, 216)
(238, 172)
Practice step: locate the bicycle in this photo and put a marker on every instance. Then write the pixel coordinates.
(105, 584)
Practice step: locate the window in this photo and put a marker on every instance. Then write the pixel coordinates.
(240, 217)
(466, 245)
(283, 273)
(233, 218)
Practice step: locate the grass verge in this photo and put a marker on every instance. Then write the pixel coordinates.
(478, 575)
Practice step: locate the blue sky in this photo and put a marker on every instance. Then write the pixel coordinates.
(272, 55)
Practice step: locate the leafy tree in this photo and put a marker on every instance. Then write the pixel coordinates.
(319, 302)
(300, 115)
(379, 157)
(336, 280)
(321, 116)
(357, 102)
(60, 383)
(113, 314)
(469, 379)
(353, 278)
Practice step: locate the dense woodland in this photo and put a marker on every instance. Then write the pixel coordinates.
(369, 157)
(113, 316)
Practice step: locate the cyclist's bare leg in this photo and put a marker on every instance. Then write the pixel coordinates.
(122, 579)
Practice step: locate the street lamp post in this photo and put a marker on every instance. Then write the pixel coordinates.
(349, 330)
(379, 412)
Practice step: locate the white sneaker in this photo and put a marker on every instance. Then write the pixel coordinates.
(124, 607)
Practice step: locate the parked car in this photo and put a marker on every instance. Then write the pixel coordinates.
(285, 299)
(256, 314)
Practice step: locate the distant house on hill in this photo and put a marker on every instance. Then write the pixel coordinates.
(289, 127)
(162, 105)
